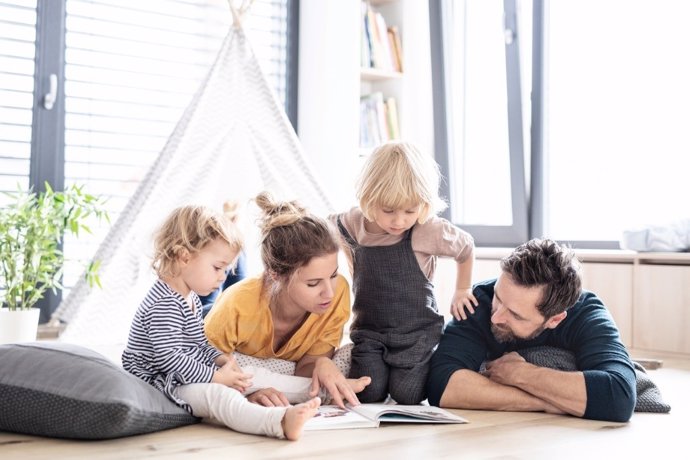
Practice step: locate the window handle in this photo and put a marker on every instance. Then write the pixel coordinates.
(508, 36)
(509, 28)
(49, 99)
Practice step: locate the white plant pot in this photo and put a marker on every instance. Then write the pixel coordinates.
(18, 326)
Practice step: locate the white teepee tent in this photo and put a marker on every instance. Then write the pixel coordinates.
(233, 141)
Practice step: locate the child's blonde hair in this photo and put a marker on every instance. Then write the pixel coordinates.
(191, 228)
(397, 175)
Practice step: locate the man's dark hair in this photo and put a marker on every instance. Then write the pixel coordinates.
(543, 262)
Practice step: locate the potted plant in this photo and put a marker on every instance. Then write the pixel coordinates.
(32, 227)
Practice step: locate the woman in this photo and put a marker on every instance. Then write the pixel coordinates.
(295, 310)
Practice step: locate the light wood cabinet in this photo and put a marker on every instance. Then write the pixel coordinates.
(661, 320)
(613, 282)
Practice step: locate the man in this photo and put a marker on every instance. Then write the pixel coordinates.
(536, 301)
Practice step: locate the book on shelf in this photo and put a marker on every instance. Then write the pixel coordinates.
(396, 47)
(378, 119)
(385, 53)
(366, 51)
(392, 118)
(372, 415)
(380, 44)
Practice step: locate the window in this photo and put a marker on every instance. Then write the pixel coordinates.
(477, 102)
(618, 153)
(129, 70)
(608, 150)
(17, 52)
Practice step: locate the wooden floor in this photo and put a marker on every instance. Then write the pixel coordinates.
(495, 435)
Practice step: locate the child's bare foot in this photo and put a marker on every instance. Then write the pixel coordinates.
(296, 416)
(359, 384)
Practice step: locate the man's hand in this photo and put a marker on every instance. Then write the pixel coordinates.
(506, 369)
(510, 369)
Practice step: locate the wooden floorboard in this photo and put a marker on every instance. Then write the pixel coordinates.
(490, 435)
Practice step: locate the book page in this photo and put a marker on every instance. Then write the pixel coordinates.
(335, 418)
(409, 414)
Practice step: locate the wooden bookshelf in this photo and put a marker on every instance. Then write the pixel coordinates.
(372, 74)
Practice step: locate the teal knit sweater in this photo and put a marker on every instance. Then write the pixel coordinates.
(588, 331)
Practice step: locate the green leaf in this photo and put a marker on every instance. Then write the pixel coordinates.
(32, 226)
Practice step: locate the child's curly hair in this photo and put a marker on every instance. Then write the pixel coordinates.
(191, 228)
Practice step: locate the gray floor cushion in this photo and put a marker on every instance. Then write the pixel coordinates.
(68, 391)
(648, 395)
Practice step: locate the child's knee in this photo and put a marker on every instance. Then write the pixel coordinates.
(408, 388)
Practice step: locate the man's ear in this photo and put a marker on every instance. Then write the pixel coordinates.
(555, 320)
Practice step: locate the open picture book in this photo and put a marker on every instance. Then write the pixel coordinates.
(371, 415)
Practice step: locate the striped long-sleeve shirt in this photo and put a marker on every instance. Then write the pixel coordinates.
(167, 346)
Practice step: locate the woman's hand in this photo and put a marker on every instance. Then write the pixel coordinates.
(326, 375)
(268, 397)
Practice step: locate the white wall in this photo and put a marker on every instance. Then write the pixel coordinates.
(416, 105)
(328, 92)
(329, 86)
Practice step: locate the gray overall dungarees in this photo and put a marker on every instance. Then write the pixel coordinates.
(396, 323)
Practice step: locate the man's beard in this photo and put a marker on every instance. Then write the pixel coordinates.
(506, 335)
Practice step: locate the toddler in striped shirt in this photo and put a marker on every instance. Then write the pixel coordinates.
(167, 347)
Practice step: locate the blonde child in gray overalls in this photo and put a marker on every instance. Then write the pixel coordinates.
(393, 239)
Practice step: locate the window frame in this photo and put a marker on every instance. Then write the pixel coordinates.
(47, 163)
